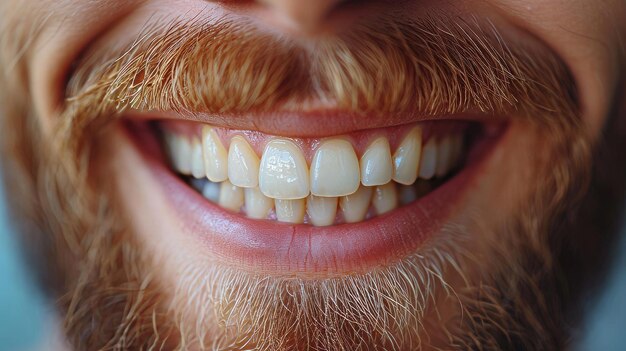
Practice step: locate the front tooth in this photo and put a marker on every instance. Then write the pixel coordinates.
(376, 166)
(215, 156)
(406, 159)
(290, 211)
(321, 210)
(243, 164)
(231, 197)
(407, 194)
(335, 169)
(354, 207)
(197, 162)
(181, 154)
(428, 163)
(444, 153)
(211, 191)
(284, 173)
(258, 206)
(385, 198)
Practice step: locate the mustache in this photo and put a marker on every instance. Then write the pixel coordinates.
(431, 66)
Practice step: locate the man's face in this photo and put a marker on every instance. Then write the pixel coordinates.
(288, 174)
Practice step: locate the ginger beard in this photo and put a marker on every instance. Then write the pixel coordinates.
(457, 291)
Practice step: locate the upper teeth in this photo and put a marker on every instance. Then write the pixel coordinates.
(336, 175)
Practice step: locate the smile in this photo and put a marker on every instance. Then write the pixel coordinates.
(326, 204)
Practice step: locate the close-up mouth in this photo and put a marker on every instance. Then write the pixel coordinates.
(339, 203)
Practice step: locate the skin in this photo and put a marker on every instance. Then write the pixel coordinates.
(587, 36)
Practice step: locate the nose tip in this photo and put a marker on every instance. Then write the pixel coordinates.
(304, 15)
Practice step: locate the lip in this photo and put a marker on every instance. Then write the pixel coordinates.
(266, 246)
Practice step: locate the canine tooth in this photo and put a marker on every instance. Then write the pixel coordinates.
(376, 165)
(385, 198)
(321, 210)
(257, 205)
(231, 196)
(211, 191)
(284, 173)
(444, 153)
(428, 163)
(197, 162)
(407, 194)
(354, 207)
(243, 164)
(290, 211)
(335, 169)
(215, 156)
(406, 159)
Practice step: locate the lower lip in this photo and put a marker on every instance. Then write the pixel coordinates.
(269, 246)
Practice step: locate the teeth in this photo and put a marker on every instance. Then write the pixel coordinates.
(407, 194)
(321, 210)
(243, 164)
(231, 197)
(354, 207)
(444, 153)
(181, 154)
(284, 173)
(197, 162)
(376, 166)
(290, 211)
(428, 163)
(406, 159)
(257, 205)
(215, 156)
(211, 191)
(385, 198)
(335, 169)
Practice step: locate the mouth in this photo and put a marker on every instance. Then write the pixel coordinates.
(327, 204)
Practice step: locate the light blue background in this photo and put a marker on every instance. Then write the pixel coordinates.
(23, 311)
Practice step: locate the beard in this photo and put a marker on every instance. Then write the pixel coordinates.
(511, 296)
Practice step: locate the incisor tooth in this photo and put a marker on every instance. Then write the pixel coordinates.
(444, 153)
(181, 154)
(257, 205)
(406, 159)
(231, 197)
(211, 191)
(385, 198)
(284, 173)
(243, 164)
(215, 156)
(354, 207)
(335, 169)
(376, 166)
(321, 210)
(428, 163)
(197, 162)
(290, 211)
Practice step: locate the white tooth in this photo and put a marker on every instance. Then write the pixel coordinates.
(376, 165)
(215, 155)
(321, 210)
(181, 154)
(211, 191)
(290, 211)
(231, 197)
(243, 164)
(197, 162)
(284, 173)
(406, 159)
(258, 206)
(444, 152)
(385, 198)
(428, 163)
(407, 194)
(354, 207)
(335, 169)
